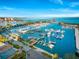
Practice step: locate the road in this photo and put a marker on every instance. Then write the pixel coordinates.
(31, 54)
(35, 55)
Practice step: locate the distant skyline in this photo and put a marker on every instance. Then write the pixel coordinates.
(39, 8)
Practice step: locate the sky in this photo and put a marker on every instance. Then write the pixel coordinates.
(39, 8)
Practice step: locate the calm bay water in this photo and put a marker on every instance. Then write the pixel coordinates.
(63, 46)
(74, 20)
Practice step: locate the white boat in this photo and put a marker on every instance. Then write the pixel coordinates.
(30, 37)
(22, 31)
(51, 30)
(52, 42)
(44, 44)
(58, 30)
(41, 42)
(62, 31)
(62, 36)
(53, 34)
(28, 28)
(48, 34)
(46, 30)
(51, 46)
(57, 36)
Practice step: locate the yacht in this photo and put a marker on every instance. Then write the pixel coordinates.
(52, 42)
(51, 30)
(58, 30)
(46, 30)
(62, 31)
(62, 36)
(48, 34)
(51, 46)
(53, 34)
(44, 44)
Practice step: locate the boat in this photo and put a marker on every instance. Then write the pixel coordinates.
(46, 30)
(58, 31)
(56, 36)
(52, 42)
(51, 30)
(42, 34)
(62, 36)
(62, 31)
(44, 44)
(40, 42)
(51, 46)
(53, 34)
(48, 34)
(22, 31)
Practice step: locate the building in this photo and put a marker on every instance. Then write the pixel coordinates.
(7, 51)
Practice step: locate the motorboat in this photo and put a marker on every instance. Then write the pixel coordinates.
(22, 31)
(40, 42)
(52, 42)
(62, 36)
(62, 31)
(48, 34)
(51, 30)
(58, 30)
(44, 44)
(53, 34)
(56, 36)
(51, 46)
(46, 30)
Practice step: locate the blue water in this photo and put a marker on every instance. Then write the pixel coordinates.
(63, 46)
(74, 20)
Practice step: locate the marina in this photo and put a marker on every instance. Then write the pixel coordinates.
(53, 39)
(39, 29)
(50, 38)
